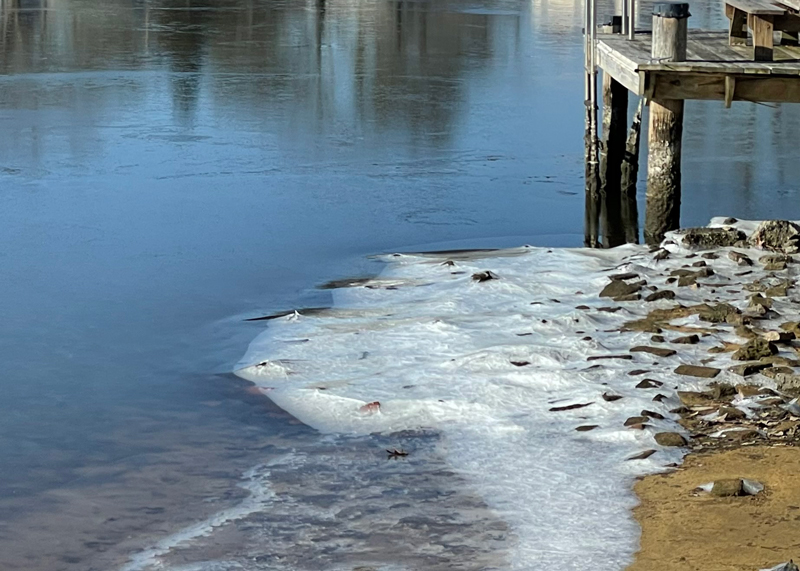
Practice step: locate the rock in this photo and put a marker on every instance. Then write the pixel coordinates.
(699, 264)
(520, 363)
(658, 351)
(710, 238)
(687, 340)
(781, 290)
(637, 426)
(582, 307)
(759, 299)
(775, 259)
(773, 371)
(716, 313)
(685, 281)
(624, 276)
(748, 390)
(787, 382)
(740, 259)
(609, 309)
(775, 266)
(732, 413)
(720, 391)
(745, 331)
(780, 360)
(747, 369)
(586, 427)
(649, 384)
(709, 256)
(652, 414)
(778, 236)
(697, 371)
(661, 254)
(484, 276)
(791, 326)
(753, 350)
(642, 455)
(569, 407)
(629, 297)
(637, 372)
(729, 220)
(600, 357)
(778, 336)
(670, 439)
(660, 294)
(659, 398)
(740, 435)
(727, 488)
(611, 398)
(635, 420)
(619, 288)
(658, 339)
(693, 398)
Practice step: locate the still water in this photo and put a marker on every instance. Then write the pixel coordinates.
(171, 168)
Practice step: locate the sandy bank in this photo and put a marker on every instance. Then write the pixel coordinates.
(683, 529)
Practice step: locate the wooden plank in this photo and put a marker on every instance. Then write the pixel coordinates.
(773, 89)
(624, 72)
(756, 7)
(737, 33)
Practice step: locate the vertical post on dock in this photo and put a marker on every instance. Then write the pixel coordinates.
(630, 175)
(630, 8)
(666, 126)
(612, 152)
(592, 173)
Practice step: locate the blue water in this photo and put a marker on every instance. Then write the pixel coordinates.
(170, 168)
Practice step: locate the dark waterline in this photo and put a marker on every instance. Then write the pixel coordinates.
(171, 168)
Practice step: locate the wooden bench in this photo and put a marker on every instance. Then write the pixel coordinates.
(762, 17)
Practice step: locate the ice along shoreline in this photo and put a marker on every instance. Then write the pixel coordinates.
(521, 365)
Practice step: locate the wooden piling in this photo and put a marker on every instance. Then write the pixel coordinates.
(629, 176)
(612, 153)
(666, 127)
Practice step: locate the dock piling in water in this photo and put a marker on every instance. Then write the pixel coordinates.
(665, 126)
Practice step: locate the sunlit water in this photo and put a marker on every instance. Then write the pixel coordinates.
(171, 168)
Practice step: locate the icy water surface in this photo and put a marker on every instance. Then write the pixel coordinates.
(171, 168)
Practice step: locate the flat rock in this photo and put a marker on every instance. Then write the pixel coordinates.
(670, 439)
(778, 336)
(611, 398)
(484, 276)
(629, 297)
(693, 398)
(600, 357)
(649, 384)
(778, 236)
(727, 488)
(697, 371)
(642, 455)
(619, 288)
(748, 390)
(570, 407)
(732, 413)
(635, 420)
(709, 238)
(686, 340)
(624, 276)
(658, 351)
(652, 414)
(718, 313)
(787, 382)
(660, 294)
(586, 427)
(747, 369)
(740, 258)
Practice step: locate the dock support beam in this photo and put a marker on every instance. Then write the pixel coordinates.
(612, 153)
(666, 127)
(630, 175)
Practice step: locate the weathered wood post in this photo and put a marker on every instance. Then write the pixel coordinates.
(630, 175)
(612, 152)
(592, 172)
(666, 127)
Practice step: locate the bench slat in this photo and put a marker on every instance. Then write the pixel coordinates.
(757, 7)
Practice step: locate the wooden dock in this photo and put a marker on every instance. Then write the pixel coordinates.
(713, 69)
(664, 68)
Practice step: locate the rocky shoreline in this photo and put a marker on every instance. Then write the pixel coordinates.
(746, 373)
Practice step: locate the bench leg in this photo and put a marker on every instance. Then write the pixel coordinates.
(762, 36)
(738, 32)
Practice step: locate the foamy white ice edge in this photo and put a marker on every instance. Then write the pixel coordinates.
(435, 348)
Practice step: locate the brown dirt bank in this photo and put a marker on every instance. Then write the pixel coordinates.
(685, 530)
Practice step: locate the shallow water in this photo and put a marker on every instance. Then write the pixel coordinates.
(168, 169)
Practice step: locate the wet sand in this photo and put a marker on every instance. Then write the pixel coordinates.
(684, 529)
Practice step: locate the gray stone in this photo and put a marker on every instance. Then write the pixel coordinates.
(619, 288)
(697, 371)
(754, 350)
(778, 236)
(728, 488)
(661, 294)
(670, 439)
(657, 351)
(747, 369)
(740, 258)
(709, 238)
(687, 340)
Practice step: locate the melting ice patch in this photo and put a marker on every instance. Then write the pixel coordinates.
(484, 363)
